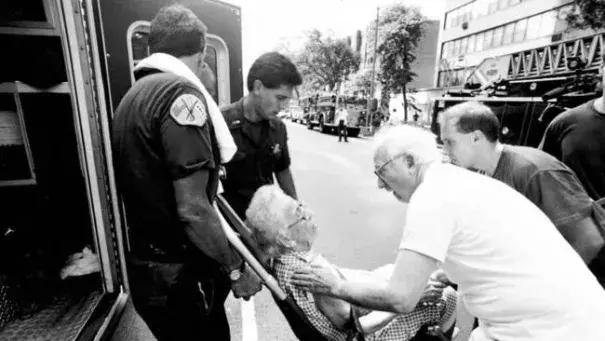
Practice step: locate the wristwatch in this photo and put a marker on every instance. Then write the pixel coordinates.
(237, 273)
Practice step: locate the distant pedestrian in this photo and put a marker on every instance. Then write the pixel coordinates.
(342, 119)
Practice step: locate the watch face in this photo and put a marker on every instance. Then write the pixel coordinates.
(235, 275)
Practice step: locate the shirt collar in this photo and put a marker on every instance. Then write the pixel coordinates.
(272, 121)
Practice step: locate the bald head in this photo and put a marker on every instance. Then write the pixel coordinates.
(472, 116)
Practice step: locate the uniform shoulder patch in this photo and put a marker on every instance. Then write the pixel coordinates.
(189, 110)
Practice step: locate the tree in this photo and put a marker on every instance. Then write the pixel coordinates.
(361, 81)
(325, 61)
(401, 28)
(588, 14)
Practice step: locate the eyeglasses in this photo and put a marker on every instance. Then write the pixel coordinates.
(380, 170)
(302, 214)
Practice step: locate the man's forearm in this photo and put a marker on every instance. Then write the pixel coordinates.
(372, 294)
(205, 232)
(286, 182)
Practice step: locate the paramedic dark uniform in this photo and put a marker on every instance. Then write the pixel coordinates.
(262, 150)
(159, 135)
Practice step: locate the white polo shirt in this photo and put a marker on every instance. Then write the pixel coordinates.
(342, 114)
(515, 271)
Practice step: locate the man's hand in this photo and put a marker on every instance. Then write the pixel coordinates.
(319, 279)
(440, 276)
(247, 285)
(433, 292)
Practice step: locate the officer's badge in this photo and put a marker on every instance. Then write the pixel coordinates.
(189, 110)
(276, 149)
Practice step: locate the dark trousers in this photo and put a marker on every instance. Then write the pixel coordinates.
(180, 301)
(342, 130)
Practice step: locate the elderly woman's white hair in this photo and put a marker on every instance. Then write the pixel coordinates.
(268, 215)
(420, 144)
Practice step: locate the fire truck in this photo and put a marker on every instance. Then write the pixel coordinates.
(63, 236)
(527, 89)
(321, 112)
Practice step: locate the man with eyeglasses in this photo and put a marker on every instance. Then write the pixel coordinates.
(484, 235)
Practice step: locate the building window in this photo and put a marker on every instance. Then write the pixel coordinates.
(487, 39)
(533, 27)
(481, 7)
(498, 33)
(492, 6)
(456, 48)
(479, 42)
(463, 45)
(455, 18)
(502, 4)
(509, 31)
(471, 43)
(468, 13)
(520, 28)
(547, 24)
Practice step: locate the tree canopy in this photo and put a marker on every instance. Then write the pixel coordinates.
(588, 14)
(402, 29)
(325, 61)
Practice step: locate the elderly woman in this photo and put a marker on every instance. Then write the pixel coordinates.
(285, 232)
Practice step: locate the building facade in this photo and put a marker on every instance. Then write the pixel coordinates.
(474, 30)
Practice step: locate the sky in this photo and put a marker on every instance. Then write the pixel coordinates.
(266, 22)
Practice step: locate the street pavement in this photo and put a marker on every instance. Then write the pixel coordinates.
(359, 225)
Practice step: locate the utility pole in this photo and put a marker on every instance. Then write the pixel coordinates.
(373, 68)
(405, 97)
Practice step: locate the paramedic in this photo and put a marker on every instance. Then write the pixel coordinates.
(180, 265)
(261, 137)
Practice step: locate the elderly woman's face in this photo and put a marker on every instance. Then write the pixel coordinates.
(301, 227)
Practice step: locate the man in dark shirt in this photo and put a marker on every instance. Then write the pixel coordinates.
(469, 132)
(261, 137)
(180, 265)
(577, 137)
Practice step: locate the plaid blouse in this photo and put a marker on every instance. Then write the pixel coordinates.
(403, 327)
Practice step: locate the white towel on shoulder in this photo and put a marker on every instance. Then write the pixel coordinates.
(167, 63)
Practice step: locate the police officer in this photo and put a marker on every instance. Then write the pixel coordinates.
(261, 137)
(180, 265)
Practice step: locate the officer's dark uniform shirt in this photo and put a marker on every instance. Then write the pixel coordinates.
(262, 151)
(151, 150)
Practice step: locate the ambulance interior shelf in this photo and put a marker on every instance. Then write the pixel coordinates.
(20, 87)
(16, 162)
